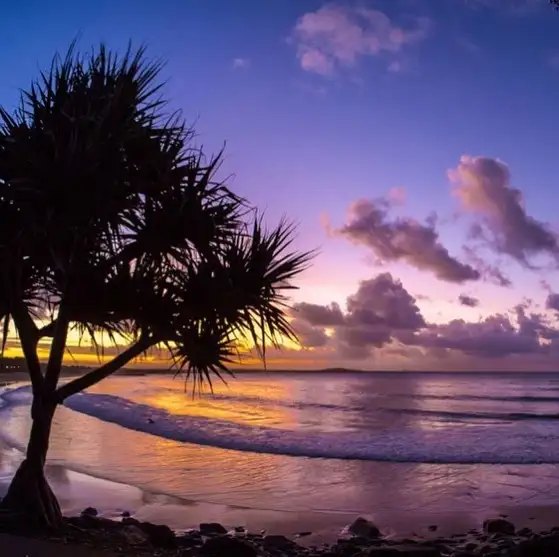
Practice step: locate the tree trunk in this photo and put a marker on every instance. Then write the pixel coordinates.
(30, 501)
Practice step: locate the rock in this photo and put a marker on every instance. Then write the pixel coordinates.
(89, 522)
(158, 535)
(189, 540)
(133, 535)
(363, 527)
(277, 542)
(212, 529)
(125, 514)
(383, 552)
(303, 534)
(224, 546)
(498, 526)
(90, 511)
(404, 551)
(433, 528)
(543, 546)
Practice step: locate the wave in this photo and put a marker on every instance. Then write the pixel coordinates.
(501, 398)
(296, 404)
(302, 405)
(463, 446)
(453, 445)
(497, 416)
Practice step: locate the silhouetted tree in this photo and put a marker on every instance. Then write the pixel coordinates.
(112, 223)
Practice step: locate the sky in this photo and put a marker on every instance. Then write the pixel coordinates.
(413, 141)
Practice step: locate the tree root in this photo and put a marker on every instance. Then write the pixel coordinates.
(30, 502)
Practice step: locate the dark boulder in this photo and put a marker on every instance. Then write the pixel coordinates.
(224, 546)
(158, 535)
(212, 529)
(364, 528)
(498, 526)
(191, 539)
(90, 511)
(278, 542)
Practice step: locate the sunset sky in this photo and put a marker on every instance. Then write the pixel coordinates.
(414, 141)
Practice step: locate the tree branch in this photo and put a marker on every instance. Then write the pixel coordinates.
(29, 337)
(93, 377)
(58, 346)
(47, 330)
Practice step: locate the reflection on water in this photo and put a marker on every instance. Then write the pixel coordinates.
(295, 484)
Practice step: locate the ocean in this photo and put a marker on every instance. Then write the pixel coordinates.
(352, 443)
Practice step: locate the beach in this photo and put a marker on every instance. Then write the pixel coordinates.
(96, 462)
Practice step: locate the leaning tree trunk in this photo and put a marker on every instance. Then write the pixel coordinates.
(30, 500)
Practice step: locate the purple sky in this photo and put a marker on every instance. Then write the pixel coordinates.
(414, 141)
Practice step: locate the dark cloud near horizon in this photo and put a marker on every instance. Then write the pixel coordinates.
(403, 239)
(380, 309)
(468, 301)
(492, 337)
(382, 313)
(484, 190)
(310, 336)
(318, 315)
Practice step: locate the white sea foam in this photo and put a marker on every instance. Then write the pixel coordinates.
(534, 442)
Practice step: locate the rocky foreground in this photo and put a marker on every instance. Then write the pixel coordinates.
(127, 537)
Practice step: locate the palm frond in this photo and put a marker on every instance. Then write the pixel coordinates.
(109, 209)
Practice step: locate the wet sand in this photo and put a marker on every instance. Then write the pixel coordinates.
(77, 491)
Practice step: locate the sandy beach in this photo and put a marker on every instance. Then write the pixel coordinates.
(258, 492)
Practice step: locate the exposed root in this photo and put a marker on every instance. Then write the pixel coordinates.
(30, 501)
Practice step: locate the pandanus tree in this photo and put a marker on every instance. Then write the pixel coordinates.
(114, 225)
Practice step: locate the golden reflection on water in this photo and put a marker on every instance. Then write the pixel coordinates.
(247, 407)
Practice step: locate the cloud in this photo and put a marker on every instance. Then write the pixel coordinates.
(489, 272)
(240, 63)
(552, 301)
(321, 316)
(468, 301)
(403, 239)
(309, 335)
(496, 336)
(379, 311)
(483, 188)
(335, 37)
(383, 317)
(384, 301)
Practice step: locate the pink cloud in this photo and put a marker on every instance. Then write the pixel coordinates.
(403, 239)
(382, 316)
(337, 36)
(483, 187)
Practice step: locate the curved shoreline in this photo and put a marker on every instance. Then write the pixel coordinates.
(78, 490)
